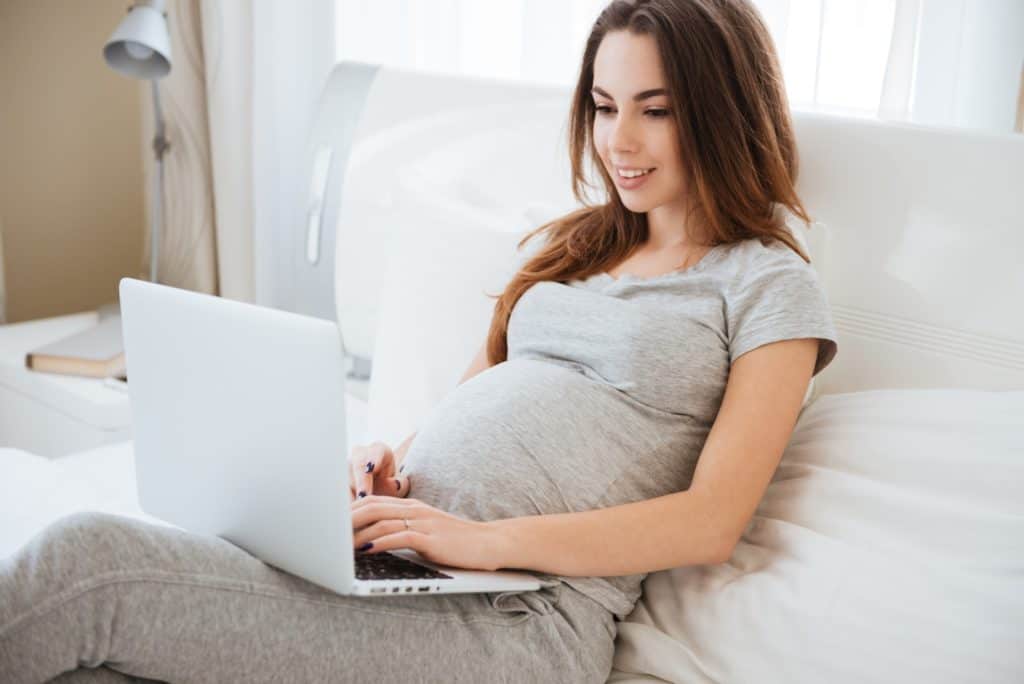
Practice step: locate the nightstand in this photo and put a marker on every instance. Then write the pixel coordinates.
(53, 415)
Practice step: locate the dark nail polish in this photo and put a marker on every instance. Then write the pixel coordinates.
(365, 547)
(362, 494)
(401, 468)
(398, 484)
(369, 467)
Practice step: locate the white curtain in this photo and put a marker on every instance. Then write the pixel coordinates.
(936, 62)
(206, 240)
(962, 65)
(237, 104)
(530, 40)
(186, 255)
(227, 47)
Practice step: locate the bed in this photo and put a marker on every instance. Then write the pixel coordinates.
(890, 544)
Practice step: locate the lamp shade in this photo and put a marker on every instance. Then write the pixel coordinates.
(140, 46)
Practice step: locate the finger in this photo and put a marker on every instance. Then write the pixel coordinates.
(406, 539)
(363, 501)
(403, 485)
(356, 485)
(379, 500)
(362, 458)
(378, 460)
(365, 512)
(354, 470)
(365, 475)
(396, 486)
(375, 531)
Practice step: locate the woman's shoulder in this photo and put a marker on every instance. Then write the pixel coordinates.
(752, 265)
(757, 253)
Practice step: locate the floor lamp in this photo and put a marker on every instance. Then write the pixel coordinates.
(140, 48)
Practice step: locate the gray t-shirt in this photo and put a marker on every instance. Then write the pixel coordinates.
(610, 390)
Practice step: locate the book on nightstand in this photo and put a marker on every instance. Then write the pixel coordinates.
(97, 352)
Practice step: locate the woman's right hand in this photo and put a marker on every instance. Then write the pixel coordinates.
(373, 471)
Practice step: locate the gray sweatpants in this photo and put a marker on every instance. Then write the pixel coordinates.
(94, 590)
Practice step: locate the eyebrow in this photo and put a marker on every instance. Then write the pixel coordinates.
(643, 95)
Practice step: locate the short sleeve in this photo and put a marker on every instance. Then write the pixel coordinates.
(780, 299)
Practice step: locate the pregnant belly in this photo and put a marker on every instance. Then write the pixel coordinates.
(524, 437)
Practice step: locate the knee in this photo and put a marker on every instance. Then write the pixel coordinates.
(84, 520)
(71, 553)
(89, 528)
(84, 543)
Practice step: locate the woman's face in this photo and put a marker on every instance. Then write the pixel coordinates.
(636, 134)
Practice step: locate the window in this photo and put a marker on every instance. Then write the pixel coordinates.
(940, 62)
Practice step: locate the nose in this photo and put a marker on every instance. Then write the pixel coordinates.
(622, 137)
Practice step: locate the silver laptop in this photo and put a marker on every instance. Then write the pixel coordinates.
(239, 426)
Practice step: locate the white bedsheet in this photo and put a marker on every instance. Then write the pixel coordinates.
(36, 490)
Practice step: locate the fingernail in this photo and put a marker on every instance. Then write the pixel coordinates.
(366, 546)
(369, 467)
(398, 484)
(362, 494)
(401, 467)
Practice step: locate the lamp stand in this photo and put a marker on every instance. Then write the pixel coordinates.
(160, 146)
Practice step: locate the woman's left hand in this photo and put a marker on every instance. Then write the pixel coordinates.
(436, 535)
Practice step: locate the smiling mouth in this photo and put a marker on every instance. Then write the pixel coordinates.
(646, 172)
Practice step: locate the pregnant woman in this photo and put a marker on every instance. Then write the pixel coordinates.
(643, 372)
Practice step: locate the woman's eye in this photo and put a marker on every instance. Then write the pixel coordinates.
(656, 113)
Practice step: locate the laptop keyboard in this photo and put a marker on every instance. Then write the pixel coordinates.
(386, 565)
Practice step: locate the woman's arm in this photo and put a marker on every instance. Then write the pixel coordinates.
(701, 525)
(644, 536)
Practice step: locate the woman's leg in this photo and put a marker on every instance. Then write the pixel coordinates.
(152, 601)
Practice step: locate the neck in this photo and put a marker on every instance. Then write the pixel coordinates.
(667, 228)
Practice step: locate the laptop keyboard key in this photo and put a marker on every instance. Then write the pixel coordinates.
(389, 566)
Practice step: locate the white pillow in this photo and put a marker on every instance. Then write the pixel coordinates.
(889, 547)
(434, 316)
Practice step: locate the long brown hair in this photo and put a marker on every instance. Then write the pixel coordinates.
(730, 108)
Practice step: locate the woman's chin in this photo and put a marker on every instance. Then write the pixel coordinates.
(633, 204)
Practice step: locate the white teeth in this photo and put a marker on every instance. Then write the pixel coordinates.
(633, 174)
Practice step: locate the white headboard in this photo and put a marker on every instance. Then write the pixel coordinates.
(923, 255)
(919, 241)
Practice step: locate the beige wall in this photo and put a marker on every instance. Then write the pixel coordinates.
(71, 184)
